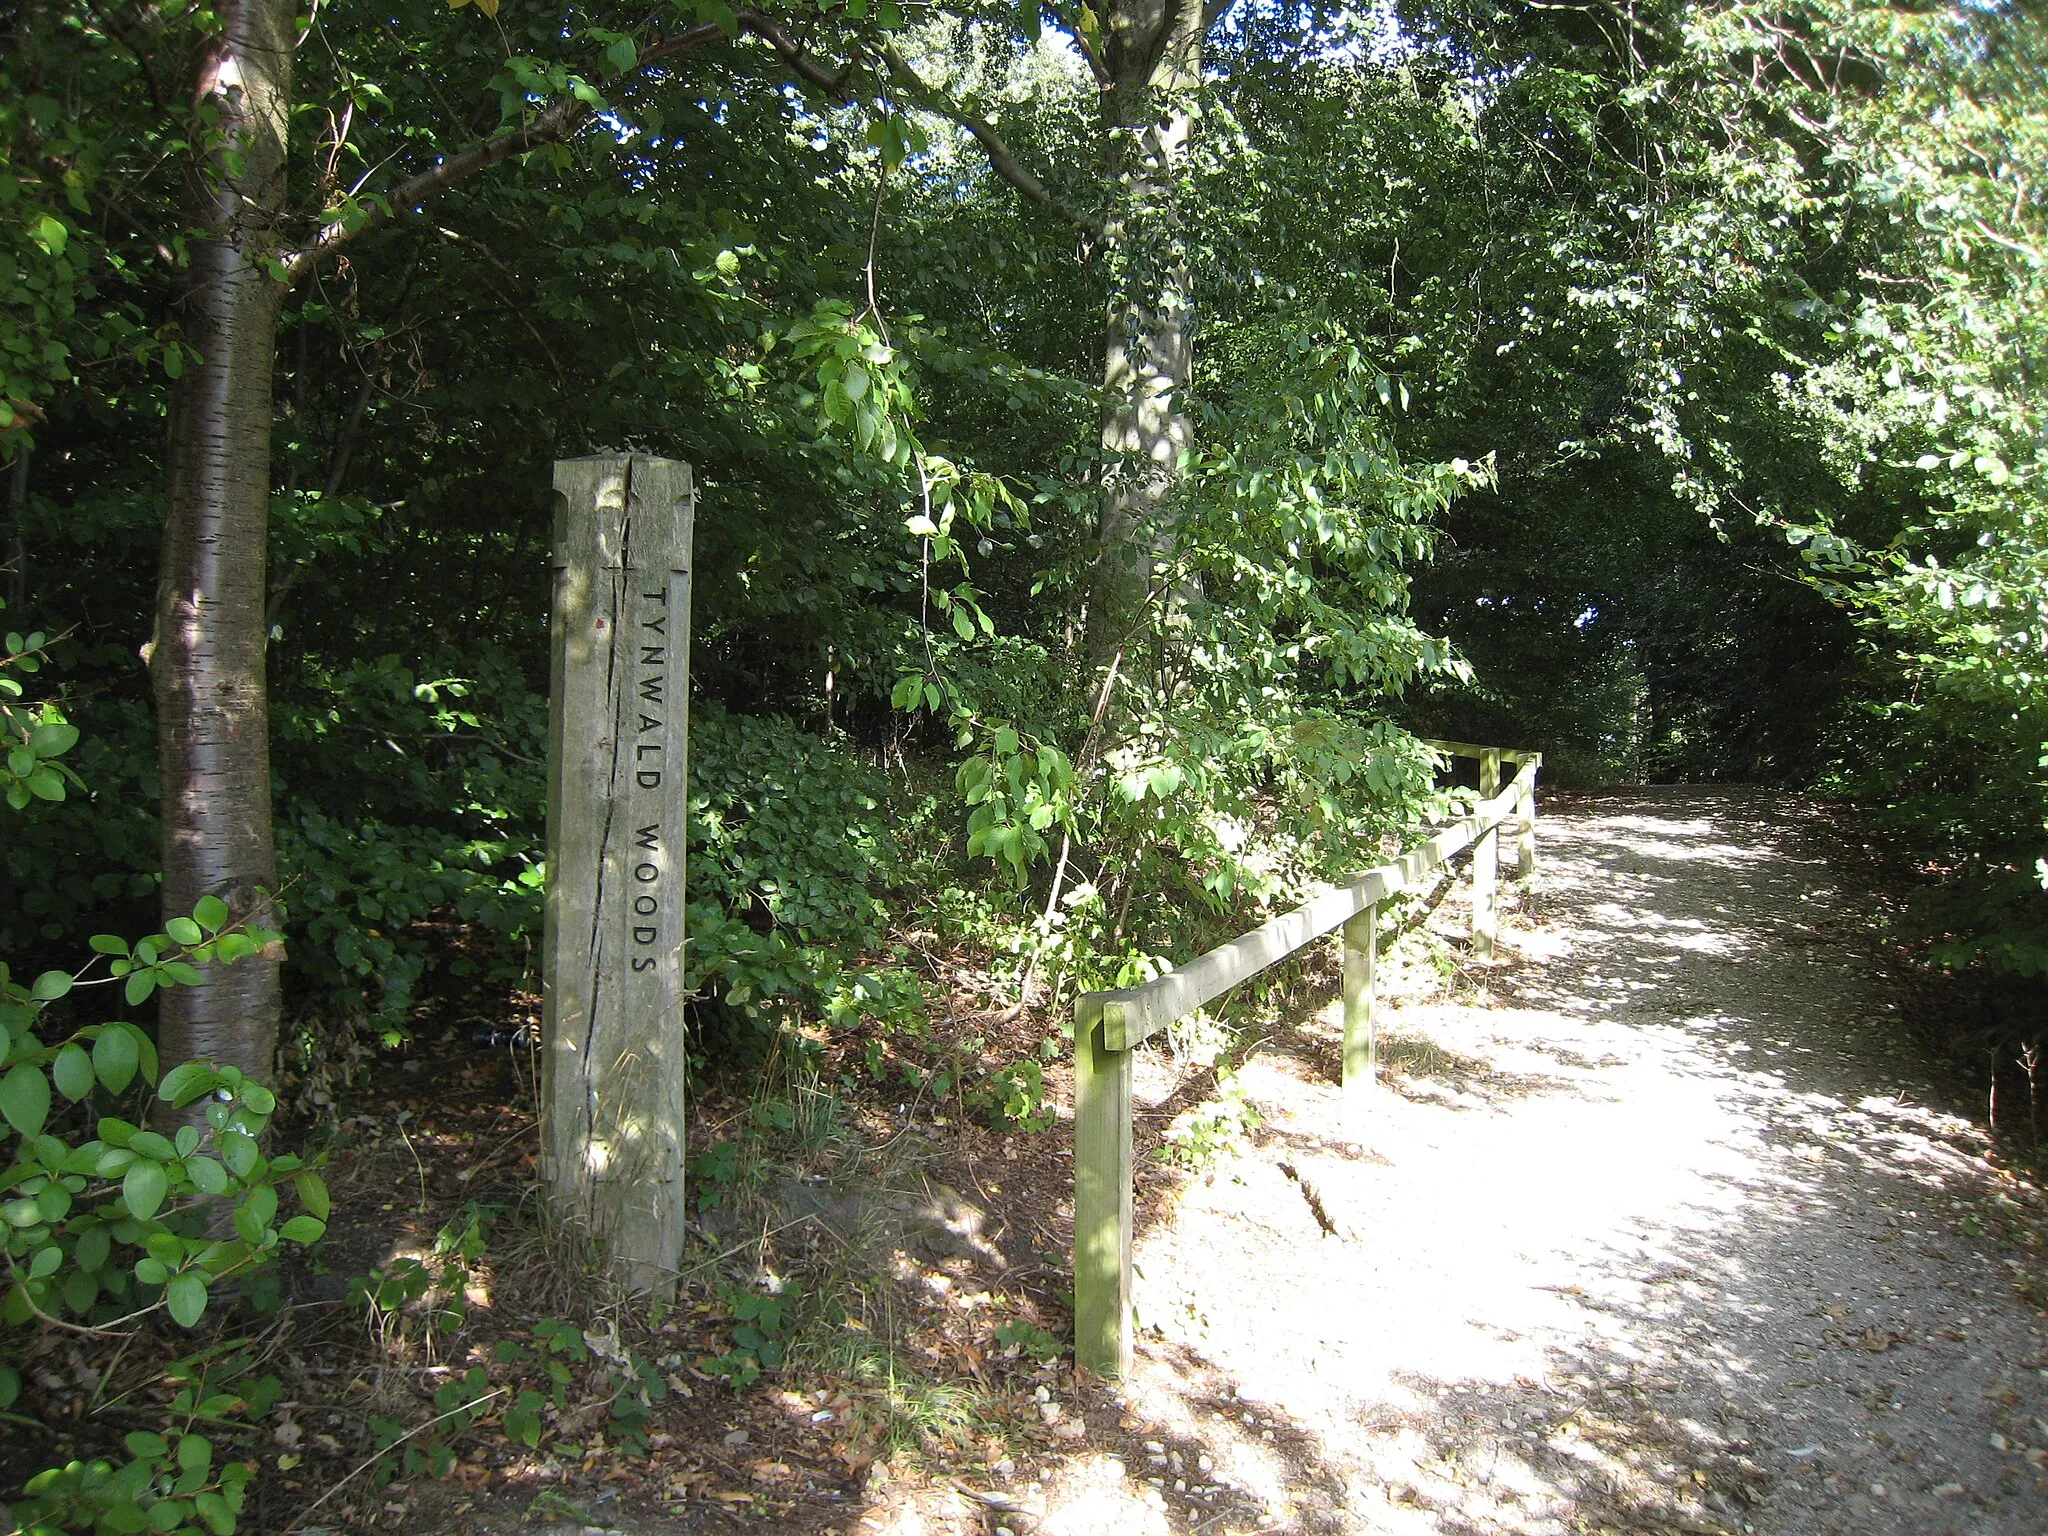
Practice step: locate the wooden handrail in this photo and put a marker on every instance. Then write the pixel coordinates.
(1467, 749)
(1108, 1026)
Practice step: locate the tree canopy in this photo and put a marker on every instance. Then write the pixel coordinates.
(1125, 431)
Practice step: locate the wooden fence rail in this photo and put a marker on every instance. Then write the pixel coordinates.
(1109, 1026)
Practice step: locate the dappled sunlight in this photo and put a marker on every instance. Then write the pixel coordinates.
(1635, 1240)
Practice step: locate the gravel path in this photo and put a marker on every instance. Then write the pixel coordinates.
(1651, 1231)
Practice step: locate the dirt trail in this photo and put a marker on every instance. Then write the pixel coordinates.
(1652, 1233)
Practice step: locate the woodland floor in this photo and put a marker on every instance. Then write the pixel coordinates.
(1654, 1227)
(1657, 1224)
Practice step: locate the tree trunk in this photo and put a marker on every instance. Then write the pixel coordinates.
(207, 658)
(1153, 55)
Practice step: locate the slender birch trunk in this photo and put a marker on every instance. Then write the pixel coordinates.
(1153, 55)
(207, 658)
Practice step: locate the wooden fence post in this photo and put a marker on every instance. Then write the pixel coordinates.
(1361, 1049)
(618, 766)
(1525, 826)
(1102, 1197)
(1486, 865)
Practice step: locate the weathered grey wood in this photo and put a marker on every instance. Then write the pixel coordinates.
(618, 766)
(1525, 821)
(1102, 1197)
(1361, 1047)
(1486, 864)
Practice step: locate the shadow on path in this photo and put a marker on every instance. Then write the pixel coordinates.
(1650, 1230)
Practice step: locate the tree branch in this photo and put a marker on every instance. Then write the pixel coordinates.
(565, 117)
(792, 54)
(1001, 159)
(554, 124)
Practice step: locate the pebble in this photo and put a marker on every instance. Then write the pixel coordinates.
(1947, 1490)
(736, 1437)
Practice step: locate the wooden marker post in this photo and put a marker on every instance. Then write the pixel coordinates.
(1361, 1049)
(1486, 865)
(1102, 1197)
(618, 777)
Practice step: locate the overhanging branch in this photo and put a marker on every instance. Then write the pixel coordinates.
(565, 117)
(792, 54)
(1001, 158)
(556, 123)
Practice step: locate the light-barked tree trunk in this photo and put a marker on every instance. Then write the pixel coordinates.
(1152, 56)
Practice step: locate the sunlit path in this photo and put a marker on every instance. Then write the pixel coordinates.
(1652, 1233)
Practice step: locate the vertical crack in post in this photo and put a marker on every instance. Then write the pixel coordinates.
(614, 950)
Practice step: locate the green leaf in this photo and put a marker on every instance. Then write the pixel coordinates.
(303, 1229)
(25, 1099)
(184, 930)
(115, 1057)
(181, 1085)
(54, 739)
(50, 986)
(94, 1245)
(313, 1194)
(81, 1290)
(145, 1444)
(72, 1072)
(218, 1514)
(186, 1298)
(208, 1174)
(138, 986)
(262, 1204)
(230, 947)
(108, 944)
(143, 1187)
(239, 1153)
(211, 913)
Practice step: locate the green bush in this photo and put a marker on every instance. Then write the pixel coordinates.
(107, 1223)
